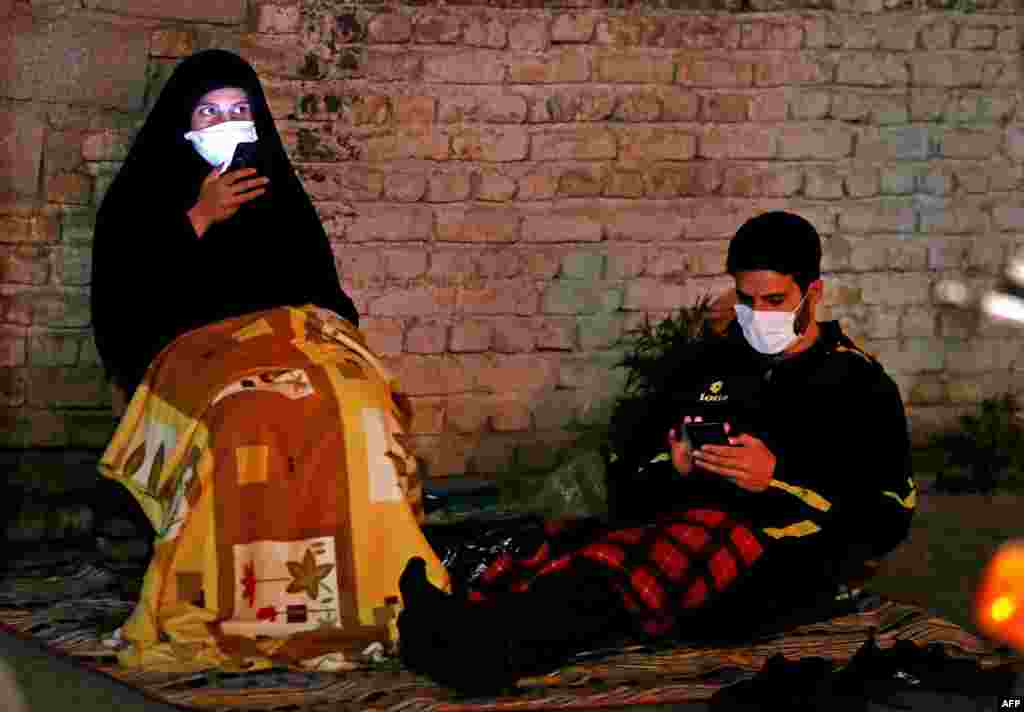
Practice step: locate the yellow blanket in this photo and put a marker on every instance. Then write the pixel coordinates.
(266, 452)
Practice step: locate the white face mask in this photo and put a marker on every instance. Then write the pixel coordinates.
(217, 143)
(768, 332)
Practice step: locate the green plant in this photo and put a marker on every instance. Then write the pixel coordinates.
(987, 452)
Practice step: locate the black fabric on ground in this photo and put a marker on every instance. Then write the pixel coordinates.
(483, 648)
(154, 279)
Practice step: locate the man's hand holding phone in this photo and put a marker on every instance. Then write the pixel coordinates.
(745, 459)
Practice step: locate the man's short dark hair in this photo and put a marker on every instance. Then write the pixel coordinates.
(778, 241)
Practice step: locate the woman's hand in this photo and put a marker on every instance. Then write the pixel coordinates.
(682, 455)
(221, 196)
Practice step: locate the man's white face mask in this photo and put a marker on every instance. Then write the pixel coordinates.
(768, 332)
(217, 143)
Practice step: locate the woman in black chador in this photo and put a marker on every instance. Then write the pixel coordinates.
(179, 245)
(261, 438)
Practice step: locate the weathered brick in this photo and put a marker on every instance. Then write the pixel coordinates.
(12, 387)
(624, 184)
(868, 69)
(405, 187)
(404, 264)
(12, 345)
(540, 263)
(647, 294)
(485, 32)
(941, 70)
(54, 348)
(477, 225)
(539, 185)
(529, 34)
(28, 428)
(519, 373)
(556, 334)
(739, 142)
(774, 180)
(108, 145)
(426, 336)
(414, 301)
(918, 321)
(1007, 217)
(514, 336)
(638, 107)
(504, 109)
(437, 27)
(583, 265)
(68, 307)
(579, 145)
(499, 296)
(392, 64)
(393, 225)
(769, 106)
(812, 103)
(652, 144)
(471, 336)
(582, 182)
(570, 296)
(601, 331)
(928, 104)
(495, 187)
(178, 42)
(573, 27)
(678, 104)
(477, 66)
(428, 415)
(272, 18)
(644, 225)
(555, 66)
(63, 387)
(353, 183)
(561, 228)
(432, 375)
(895, 288)
(415, 109)
(938, 215)
(798, 142)
(779, 72)
(389, 28)
(823, 182)
(634, 67)
(510, 414)
(968, 144)
(491, 144)
(976, 37)
(887, 215)
(938, 34)
(26, 264)
(424, 143)
(383, 336)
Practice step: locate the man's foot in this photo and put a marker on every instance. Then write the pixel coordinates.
(417, 591)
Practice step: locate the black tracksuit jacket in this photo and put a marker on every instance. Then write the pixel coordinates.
(842, 489)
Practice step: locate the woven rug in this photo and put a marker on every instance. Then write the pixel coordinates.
(70, 606)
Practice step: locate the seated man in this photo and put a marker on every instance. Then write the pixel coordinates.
(713, 542)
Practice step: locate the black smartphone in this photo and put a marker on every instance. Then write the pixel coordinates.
(246, 156)
(706, 434)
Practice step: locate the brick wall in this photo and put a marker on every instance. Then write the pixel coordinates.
(509, 189)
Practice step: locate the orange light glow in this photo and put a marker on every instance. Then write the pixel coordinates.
(999, 594)
(1002, 609)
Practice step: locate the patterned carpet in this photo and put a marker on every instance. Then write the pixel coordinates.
(71, 606)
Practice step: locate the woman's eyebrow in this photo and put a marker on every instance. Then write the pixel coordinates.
(213, 103)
